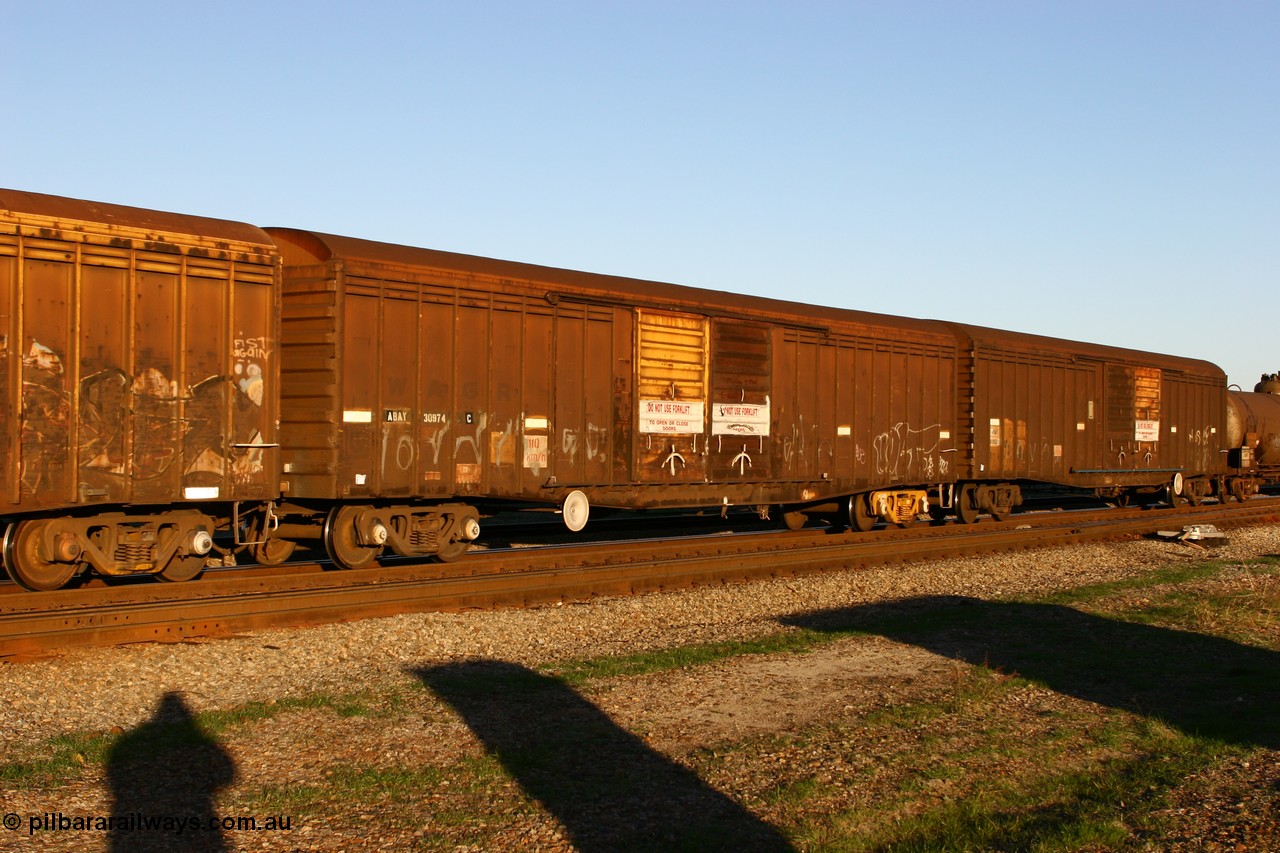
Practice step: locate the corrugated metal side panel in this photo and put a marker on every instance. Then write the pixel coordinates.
(472, 393)
(800, 386)
(1195, 429)
(671, 390)
(910, 431)
(399, 353)
(863, 412)
(41, 365)
(567, 457)
(255, 371)
(1133, 417)
(311, 410)
(10, 375)
(623, 424)
(581, 449)
(741, 388)
(155, 405)
(134, 373)
(509, 368)
(673, 356)
(1034, 415)
(408, 384)
(360, 346)
(436, 436)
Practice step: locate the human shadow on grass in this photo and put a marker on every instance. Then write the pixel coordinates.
(606, 786)
(164, 776)
(1202, 685)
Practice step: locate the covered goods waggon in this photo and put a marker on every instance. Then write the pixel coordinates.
(1124, 424)
(420, 387)
(138, 387)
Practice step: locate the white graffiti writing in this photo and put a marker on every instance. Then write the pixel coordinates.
(901, 449)
(251, 349)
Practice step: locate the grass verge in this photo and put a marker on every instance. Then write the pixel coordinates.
(1103, 717)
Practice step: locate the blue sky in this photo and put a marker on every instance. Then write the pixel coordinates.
(1102, 171)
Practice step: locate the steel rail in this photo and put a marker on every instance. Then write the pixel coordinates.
(37, 623)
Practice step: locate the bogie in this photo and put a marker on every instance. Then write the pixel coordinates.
(355, 536)
(45, 554)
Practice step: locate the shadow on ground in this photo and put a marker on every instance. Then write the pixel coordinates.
(607, 788)
(1202, 685)
(164, 776)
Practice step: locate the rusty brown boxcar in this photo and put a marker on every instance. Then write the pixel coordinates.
(137, 374)
(412, 376)
(1122, 423)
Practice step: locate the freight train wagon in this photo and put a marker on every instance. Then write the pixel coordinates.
(138, 386)
(421, 387)
(1123, 424)
(1253, 436)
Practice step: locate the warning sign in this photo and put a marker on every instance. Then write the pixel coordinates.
(739, 419)
(535, 452)
(672, 417)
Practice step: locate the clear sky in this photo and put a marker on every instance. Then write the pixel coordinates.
(1103, 171)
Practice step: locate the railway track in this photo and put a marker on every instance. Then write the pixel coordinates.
(239, 601)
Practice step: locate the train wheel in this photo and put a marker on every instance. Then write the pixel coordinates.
(452, 551)
(794, 520)
(463, 528)
(273, 552)
(966, 509)
(188, 561)
(182, 567)
(861, 518)
(26, 565)
(342, 543)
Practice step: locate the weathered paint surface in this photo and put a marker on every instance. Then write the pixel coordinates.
(137, 366)
(1090, 416)
(411, 372)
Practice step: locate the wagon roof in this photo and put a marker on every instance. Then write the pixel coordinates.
(985, 337)
(135, 222)
(302, 247)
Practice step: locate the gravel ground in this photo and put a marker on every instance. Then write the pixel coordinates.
(99, 689)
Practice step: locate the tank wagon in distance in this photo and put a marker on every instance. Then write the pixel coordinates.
(1253, 437)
